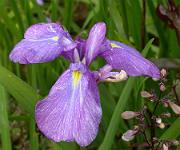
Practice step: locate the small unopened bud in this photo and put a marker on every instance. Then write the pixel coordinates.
(129, 114)
(175, 142)
(163, 72)
(162, 87)
(146, 94)
(161, 125)
(158, 120)
(166, 115)
(129, 135)
(165, 104)
(165, 147)
(174, 107)
(155, 140)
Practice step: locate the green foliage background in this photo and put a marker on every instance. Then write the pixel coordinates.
(21, 86)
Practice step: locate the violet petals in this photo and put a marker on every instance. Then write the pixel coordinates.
(71, 111)
(123, 57)
(94, 41)
(42, 43)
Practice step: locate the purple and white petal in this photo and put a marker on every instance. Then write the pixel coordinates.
(42, 42)
(94, 41)
(71, 111)
(80, 47)
(123, 57)
(40, 2)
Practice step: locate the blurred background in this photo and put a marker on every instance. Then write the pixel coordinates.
(151, 26)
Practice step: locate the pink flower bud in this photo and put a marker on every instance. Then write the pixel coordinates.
(174, 107)
(163, 72)
(129, 114)
(175, 142)
(165, 147)
(146, 94)
(162, 87)
(129, 135)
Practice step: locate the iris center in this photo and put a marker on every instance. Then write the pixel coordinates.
(113, 45)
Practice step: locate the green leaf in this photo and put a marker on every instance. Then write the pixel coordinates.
(115, 120)
(33, 138)
(68, 12)
(147, 47)
(116, 18)
(173, 131)
(158, 25)
(4, 123)
(25, 95)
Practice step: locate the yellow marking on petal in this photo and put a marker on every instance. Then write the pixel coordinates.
(55, 38)
(76, 77)
(114, 45)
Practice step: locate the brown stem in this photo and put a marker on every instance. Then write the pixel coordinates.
(146, 139)
(143, 30)
(178, 36)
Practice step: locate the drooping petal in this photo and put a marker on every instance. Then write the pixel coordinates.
(42, 42)
(123, 57)
(71, 111)
(94, 41)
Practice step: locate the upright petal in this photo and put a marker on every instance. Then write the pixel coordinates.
(71, 111)
(123, 57)
(42, 42)
(94, 41)
(80, 45)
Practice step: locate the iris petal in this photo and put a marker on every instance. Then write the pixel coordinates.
(42, 43)
(123, 57)
(94, 41)
(72, 111)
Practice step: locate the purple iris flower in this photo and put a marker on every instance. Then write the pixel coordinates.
(72, 109)
(40, 2)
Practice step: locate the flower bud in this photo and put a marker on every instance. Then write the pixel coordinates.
(129, 114)
(146, 94)
(163, 72)
(161, 125)
(166, 115)
(174, 107)
(165, 147)
(175, 142)
(165, 105)
(162, 87)
(158, 120)
(129, 135)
